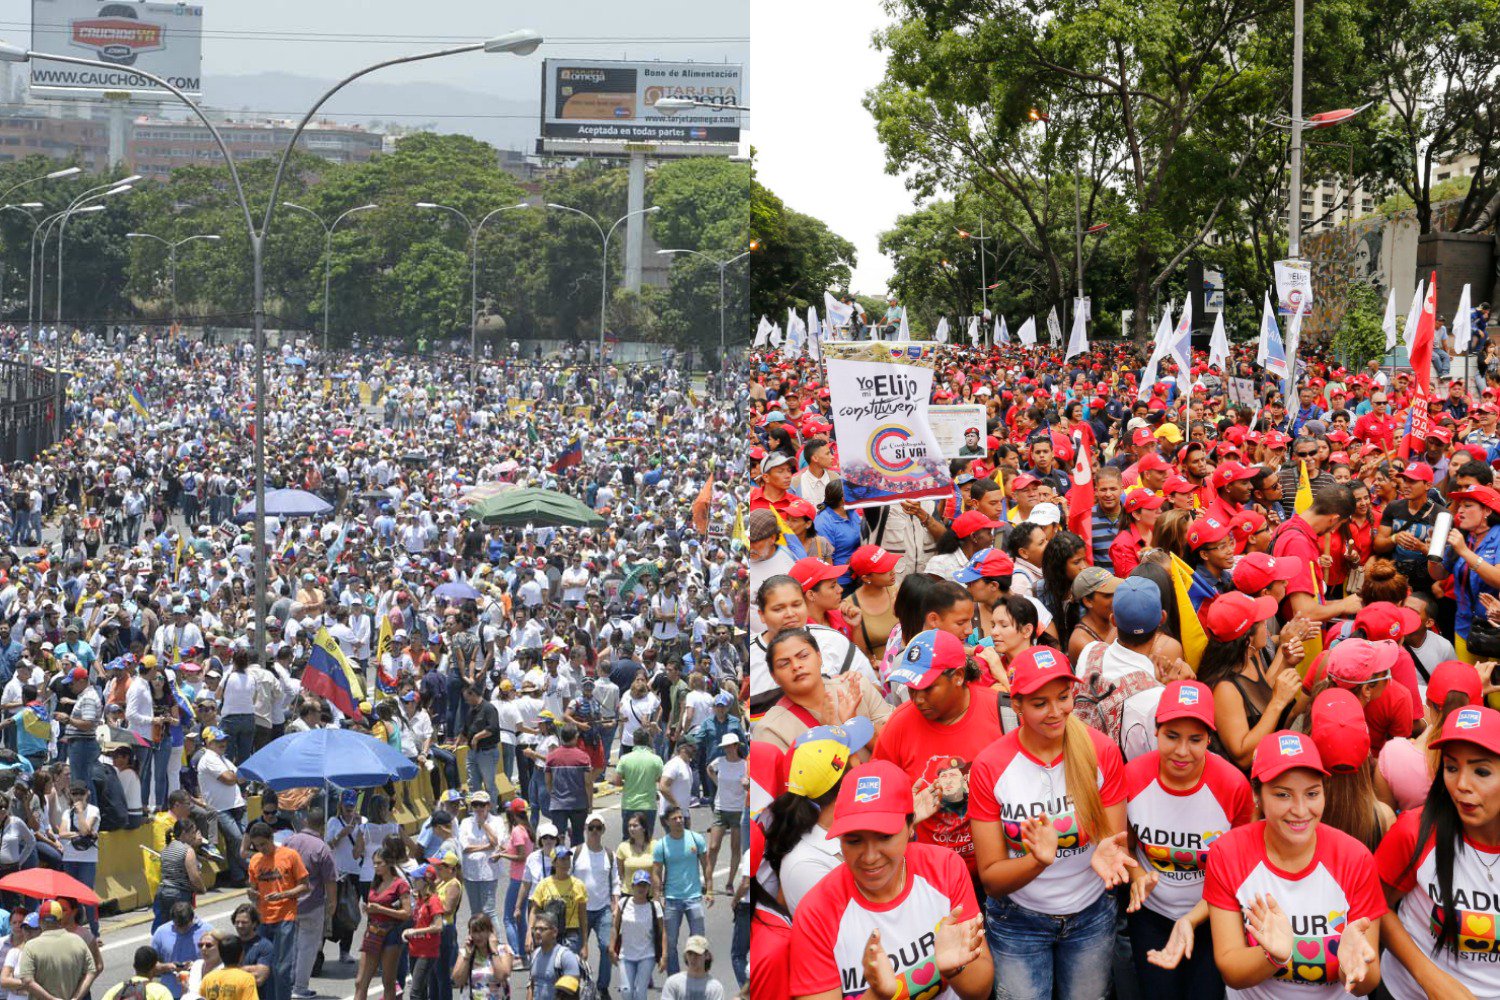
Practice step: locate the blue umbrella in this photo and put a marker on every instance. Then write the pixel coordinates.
(296, 362)
(457, 591)
(289, 503)
(320, 757)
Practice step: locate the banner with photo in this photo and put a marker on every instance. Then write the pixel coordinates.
(887, 450)
(959, 429)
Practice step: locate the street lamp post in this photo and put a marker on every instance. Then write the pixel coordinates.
(26, 207)
(721, 265)
(984, 281)
(473, 275)
(521, 42)
(172, 246)
(604, 268)
(328, 250)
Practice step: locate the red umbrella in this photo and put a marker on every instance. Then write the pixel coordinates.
(44, 883)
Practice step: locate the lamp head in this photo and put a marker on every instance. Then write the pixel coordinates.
(88, 208)
(129, 180)
(522, 42)
(60, 174)
(29, 204)
(13, 53)
(427, 204)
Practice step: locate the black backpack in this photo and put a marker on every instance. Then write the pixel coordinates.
(132, 989)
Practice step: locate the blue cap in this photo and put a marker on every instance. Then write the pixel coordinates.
(640, 878)
(348, 797)
(1137, 607)
(926, 657)
(561, 852)
(855, 734)
(34, 922)
(723, 698)
(409, 696)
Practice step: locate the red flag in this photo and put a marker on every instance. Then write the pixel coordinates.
(702, 505)
(1081, 496)
(1421, 344)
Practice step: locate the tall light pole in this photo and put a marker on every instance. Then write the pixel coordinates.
(27, 207)
(50, 221)
(721, 265)
(328, 249)
(604, 237)
(172, 246)
(984, 281)
(520, 42)
(473, 275)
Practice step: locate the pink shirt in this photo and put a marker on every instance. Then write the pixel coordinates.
(1404, 768)
(518, 844)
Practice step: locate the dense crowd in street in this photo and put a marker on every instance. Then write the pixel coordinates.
(1171, 696)
(541, 675)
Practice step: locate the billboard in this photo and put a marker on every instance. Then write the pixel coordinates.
(601, 99)
(161, 38)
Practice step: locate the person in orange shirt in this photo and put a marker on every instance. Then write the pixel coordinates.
(278, 879)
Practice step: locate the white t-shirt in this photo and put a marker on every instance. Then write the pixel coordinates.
(477, 866)
(635, 930)
(678, 774)
(729, 775)
(219, 796)
(806, 864)
(91, 819)
(343, 855)
(698, 709)
(635, 712)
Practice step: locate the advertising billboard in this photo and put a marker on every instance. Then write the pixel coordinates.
(161, 38)
(608, 100)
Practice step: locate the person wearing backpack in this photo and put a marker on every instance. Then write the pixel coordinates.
(1121, 686)
(640, 938)
(141, 986)
(564, 897)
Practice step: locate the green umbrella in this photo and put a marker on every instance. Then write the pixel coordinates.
(527, 505)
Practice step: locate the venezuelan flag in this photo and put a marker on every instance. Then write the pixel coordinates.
(37, 721)
(571, 455)
(330, 675)
(138, 400)
(184, 706)
(1194, 638)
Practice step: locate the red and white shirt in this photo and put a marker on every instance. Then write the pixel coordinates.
(1173, 830)
(942, 756)
(1008, 786)
(1475, 897)
(1337, 886)
(834, 921)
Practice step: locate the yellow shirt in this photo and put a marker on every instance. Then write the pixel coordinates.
(573, 893)
(229, 984)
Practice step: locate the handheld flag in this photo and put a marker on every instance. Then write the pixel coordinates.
(36, 719)
(1388, 324)
(1027, 333)
(1054, 328)
(941, 333)
(1293, 343)
(837, 314)
(702, 505)
(138, 401)
(330, 675)
(1271, 352)
(1463, 323)
(1218, 345)
(1194, 638)
(762, 332)
(571, 455)
(1001, 334)
(1304, 499)
(1421, 342)
(903, 332)
(973, 331)
(1081, 494)
(1078, 338)
(383, 639)
(1163, 336)
(738, 533)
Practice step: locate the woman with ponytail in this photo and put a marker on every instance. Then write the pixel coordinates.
(1047, 817)
(1443, 946)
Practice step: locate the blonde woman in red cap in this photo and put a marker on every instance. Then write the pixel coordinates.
(1293, 904)
(1047, 817)
(1438, 869)
(897, 918)
(1180, 798)
(1339, 732)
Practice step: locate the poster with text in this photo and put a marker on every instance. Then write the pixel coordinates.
(958, 429)
(887, 450)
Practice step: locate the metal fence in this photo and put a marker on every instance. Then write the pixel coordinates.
(28, 395)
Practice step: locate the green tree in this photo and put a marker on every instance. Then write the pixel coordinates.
(797, 257)
(704, 206)
(1359, 336)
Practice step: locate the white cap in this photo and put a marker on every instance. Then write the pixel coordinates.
(729, 740)
(1045, 513)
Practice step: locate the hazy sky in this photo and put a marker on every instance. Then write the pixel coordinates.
(329, 38)
(815, 145)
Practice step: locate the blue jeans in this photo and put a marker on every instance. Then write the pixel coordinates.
(481, 767)
(607, 738)
(85, 871)
(515, 933)
(240, 728)
(481, 896)
(283, 938)
(602, 926)
(538, 796)
(508, 760)
(82, 755)
(676, 909)
(739, 948)
(637, 978)
(232, 826)
(153, 761)
(1039, 956)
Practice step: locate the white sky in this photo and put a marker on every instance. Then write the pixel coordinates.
(811, 63)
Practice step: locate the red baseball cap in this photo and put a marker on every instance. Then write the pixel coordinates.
(1137, 500)
(1186, 700)
(1385, 620)
(1360, 661)
(1142, 436)
(1176, 484)
(1339, 730)
(1419, 471)
(1229, 616)
(1485, 496)
(869, 559)
(1275, 440)
(78, 674)
(1450, 676)
(1233, 472)
(1477, 725)
(875, 797)
(1155, 463)
(1440, 433)
(991, 563)
(810, 572)
(798, 507)
(971, 521)
(929, 655)
(1037, 667)
(1245, 524)
(1023, 481)
(1257, 571)
(1284, 751)
(1207, 530)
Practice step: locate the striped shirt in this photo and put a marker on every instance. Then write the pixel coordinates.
(90, 708)
(1104, 531)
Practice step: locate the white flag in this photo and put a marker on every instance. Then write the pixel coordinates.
(1409, 332)
(1161, 340)
(1181, 347)
(1389, 323)
(838, 314)
(973, 331)
(796, 332)
(776, 337)
(815, 340)
(1027, 334)
(1002, 333)
(812, 321)
(941, 333)
(1078, 338)
(1270, 354)
(1293, 341)
(1054, 328)
(1218, 345)
(1463, 329)
(762, 332)
(903, 332)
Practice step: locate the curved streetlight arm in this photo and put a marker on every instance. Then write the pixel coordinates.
(307, 211)
(149, 236)
(496, 211)
(576, 211)
(210, 237)
(348, 212)
(627, 215)
(448, 208)
(54, 175)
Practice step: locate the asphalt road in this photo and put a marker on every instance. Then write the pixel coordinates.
(121, 936)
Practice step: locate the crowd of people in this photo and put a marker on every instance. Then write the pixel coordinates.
(542, 675)
(1171, 697)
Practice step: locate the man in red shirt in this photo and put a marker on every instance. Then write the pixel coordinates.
(1300, 539)
(1233, 485)
(776, 481)
(1377, 426)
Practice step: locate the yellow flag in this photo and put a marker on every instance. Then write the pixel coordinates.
(383, 641)
(1304, 490)
(739, 533)
(1194, 639)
